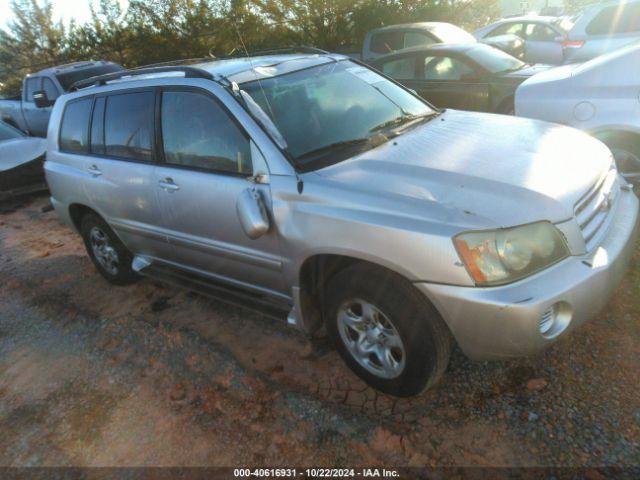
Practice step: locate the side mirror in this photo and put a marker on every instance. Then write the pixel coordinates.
(252, 213)
(41, 100)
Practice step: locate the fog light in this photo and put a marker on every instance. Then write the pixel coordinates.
(547, 320)
(555, 320)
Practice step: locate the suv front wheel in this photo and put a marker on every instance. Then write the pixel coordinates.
(385, 330)
(109, 255)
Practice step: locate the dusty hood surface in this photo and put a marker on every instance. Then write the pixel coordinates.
(18, 151)
(504, 170)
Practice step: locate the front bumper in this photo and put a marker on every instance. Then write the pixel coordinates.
(503, 322)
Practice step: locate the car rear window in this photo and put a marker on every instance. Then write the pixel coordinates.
(386, 42)
(74, 130)
(128, 125)
(622, 18)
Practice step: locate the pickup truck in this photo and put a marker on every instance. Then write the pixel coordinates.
(30, 111)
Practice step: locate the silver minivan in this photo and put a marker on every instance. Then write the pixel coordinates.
(316, 189)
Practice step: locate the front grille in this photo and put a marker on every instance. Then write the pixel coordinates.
(594, 209)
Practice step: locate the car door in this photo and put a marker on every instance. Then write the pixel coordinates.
(543, 44)
(208, 160)
(119, 169)
(450, 82)
(37, 119)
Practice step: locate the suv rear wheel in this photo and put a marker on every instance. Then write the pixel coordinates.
(385, 330)
(107, 252)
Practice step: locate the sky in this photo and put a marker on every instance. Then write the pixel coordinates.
(62, 9)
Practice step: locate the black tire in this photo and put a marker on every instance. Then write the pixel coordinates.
(426, 338)
(123, 274)
(626, 152)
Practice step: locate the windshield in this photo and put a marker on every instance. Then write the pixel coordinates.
(7, 132)
(494, 60)
(326, 112)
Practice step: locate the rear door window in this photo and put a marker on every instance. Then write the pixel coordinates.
(540, 33)
(415, 39)
(198, 133)
(74, 130)
(508, 28)
(128, 125)
(446, 69)
(386, 42)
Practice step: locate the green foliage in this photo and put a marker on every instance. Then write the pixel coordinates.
(154, 31)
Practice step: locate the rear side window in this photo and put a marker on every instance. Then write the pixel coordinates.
(198, 133)
(622, 18)
(32, 86)
(75, 126)
(387, 42)
(128, 125)
(540, 33)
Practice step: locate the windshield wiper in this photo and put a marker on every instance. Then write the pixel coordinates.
(402, 120)
(332, 147)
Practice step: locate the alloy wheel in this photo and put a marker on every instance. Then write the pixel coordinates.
(103, 251)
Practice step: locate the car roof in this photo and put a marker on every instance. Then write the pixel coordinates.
(529, 18)
(410, 26)
(75, 66)
(246, 69)
(436, 47)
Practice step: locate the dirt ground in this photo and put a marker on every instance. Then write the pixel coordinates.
(97, 375)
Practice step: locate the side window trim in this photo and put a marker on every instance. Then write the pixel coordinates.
(154, 150)
(160, 143)
(64, 112)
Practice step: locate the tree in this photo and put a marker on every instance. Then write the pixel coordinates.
(33, 40)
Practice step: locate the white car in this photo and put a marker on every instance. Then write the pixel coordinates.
(601, 97)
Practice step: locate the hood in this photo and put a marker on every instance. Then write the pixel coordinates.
(528, 71)
(21, 150)
(499, 171)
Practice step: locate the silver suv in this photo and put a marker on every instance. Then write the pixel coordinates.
(315, 188)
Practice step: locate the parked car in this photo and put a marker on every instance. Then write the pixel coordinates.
(30, 111)
(603, 28)
(544, 37)
(21, 160)
(313, 185)
(392, 38)
(467, 76)
(600, 96)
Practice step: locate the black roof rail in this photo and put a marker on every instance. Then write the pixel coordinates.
(189, 72)
(235, 53)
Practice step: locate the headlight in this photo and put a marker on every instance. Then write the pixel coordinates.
(496, 257)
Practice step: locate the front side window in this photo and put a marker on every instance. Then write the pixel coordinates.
(74, 130)
(198, 133)
(31, 87)
(387, 42)
(7, 132)
(128, 125)
(446, 69)
(401, 69)
(494, 60)
(328, 112)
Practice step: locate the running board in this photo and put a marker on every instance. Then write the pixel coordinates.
(236, 296)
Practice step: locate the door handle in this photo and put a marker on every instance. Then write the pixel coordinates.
(94, 171)
(168, 186)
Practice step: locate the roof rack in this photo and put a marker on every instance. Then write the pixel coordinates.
(235, 53)
(189, 72)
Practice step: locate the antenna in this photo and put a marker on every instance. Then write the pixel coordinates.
(253, 70)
